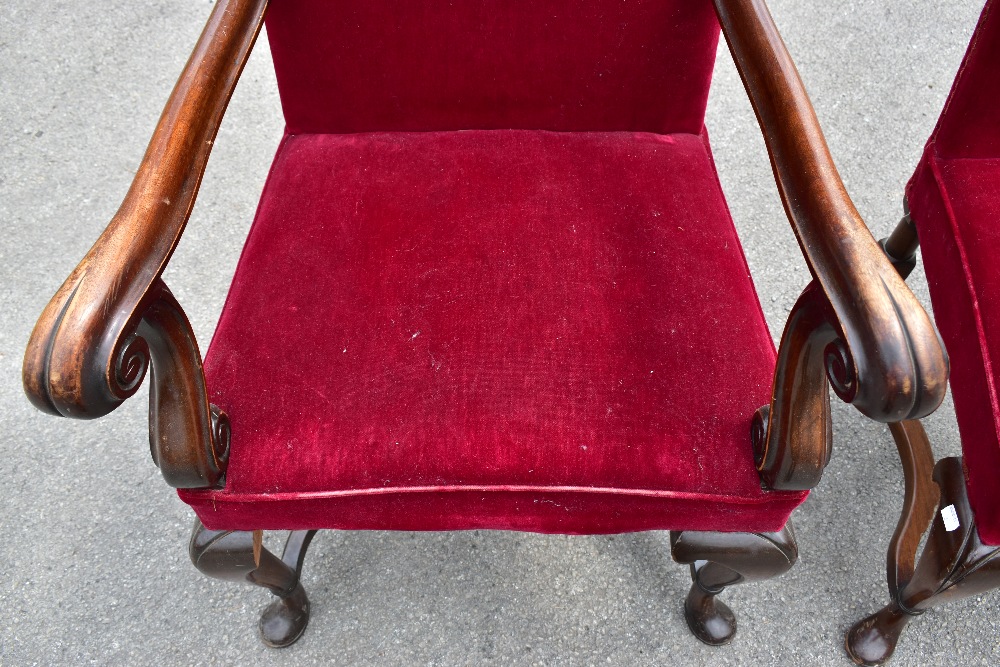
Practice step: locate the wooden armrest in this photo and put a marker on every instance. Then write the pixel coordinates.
(95, 339)
(886, 358)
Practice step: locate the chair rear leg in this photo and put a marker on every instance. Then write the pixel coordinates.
(719, 560)
(901, 245)
(239, 556)
(954, 564)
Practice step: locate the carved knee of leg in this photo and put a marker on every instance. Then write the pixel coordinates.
(222, 554)
(723, 559)
(712, 578)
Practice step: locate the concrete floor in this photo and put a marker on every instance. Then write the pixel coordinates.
(93, 564)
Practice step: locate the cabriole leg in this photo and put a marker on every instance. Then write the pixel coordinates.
(239, 556)
(954, 564)
(724, 559)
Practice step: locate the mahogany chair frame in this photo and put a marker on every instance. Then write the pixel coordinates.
(954, 563)
(855, 325)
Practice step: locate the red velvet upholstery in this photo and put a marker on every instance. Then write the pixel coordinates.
(969, 126)
(954, 200)
(510, 329)
(375, 65)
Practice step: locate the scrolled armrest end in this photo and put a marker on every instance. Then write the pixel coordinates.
(901, 362)
(82, 360)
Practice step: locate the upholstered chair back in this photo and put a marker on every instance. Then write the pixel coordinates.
(565, 65)
(954, 198)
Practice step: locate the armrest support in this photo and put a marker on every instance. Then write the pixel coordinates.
(92, 344)
(888, 360)
(920, 500)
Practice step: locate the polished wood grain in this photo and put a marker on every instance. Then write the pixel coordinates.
(90, 348)
(899, 362)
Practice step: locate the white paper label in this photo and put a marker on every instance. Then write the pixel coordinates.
(950, 518)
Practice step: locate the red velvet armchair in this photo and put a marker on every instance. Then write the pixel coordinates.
(492, 283)
(952, 204)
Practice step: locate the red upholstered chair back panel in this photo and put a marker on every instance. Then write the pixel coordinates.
(969, 126)
(565, 65)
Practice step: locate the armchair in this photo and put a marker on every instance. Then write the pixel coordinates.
(950, 206)
(492, 283)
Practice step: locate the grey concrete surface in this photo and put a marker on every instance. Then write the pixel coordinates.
(93, 563)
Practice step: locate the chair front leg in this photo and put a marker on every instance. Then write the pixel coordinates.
(239, 556)
(719, 560)
(955, 564)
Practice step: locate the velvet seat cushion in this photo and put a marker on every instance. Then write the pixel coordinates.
(509, 329)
